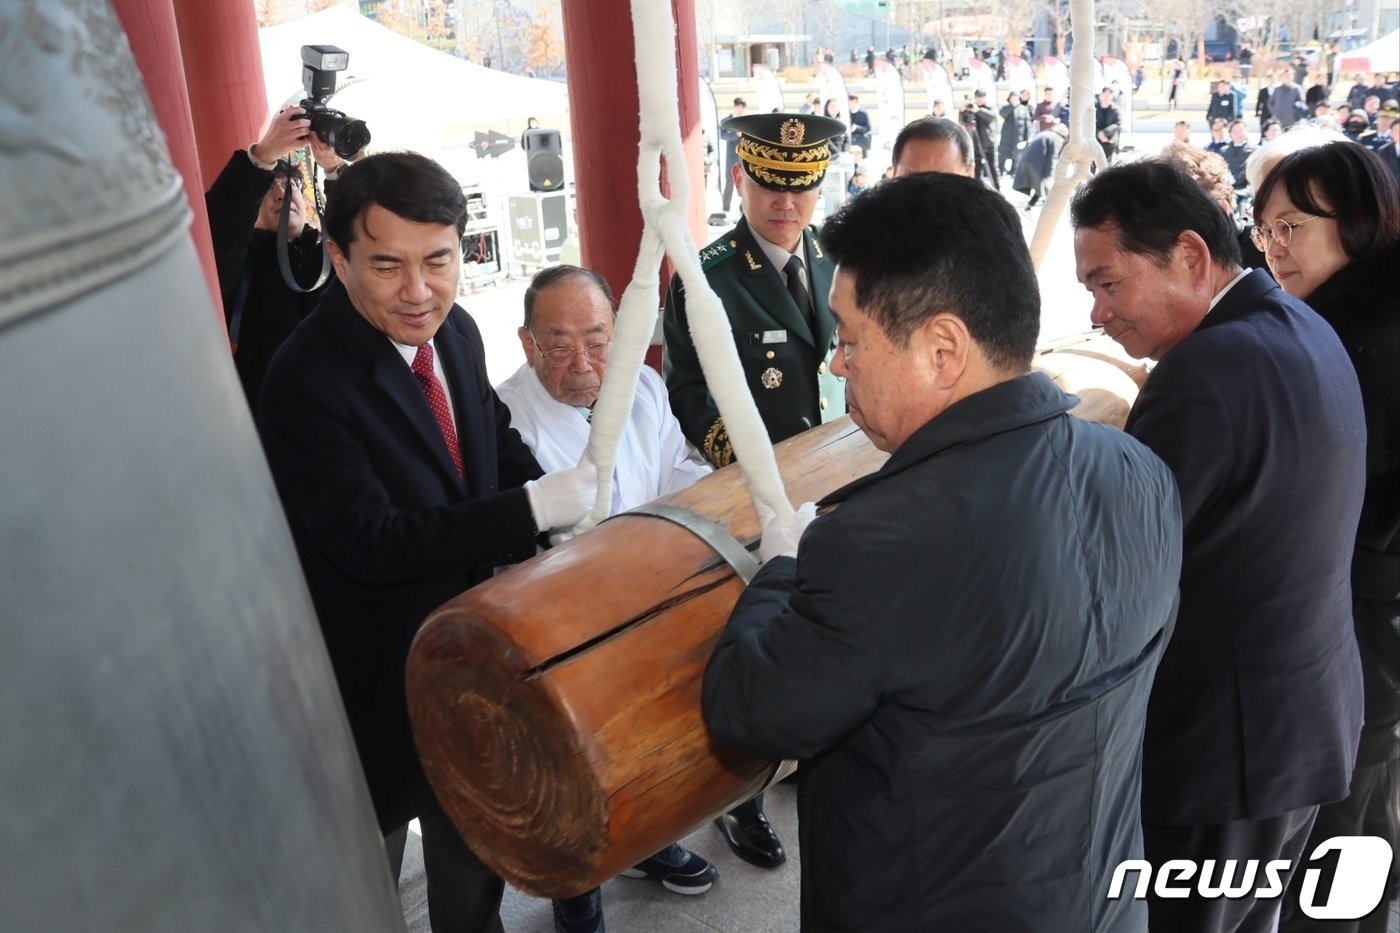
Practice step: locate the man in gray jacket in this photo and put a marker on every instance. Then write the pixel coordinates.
(1286, 101)
(960, 652)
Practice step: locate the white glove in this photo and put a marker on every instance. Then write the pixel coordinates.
(780, 536)
(561, 499)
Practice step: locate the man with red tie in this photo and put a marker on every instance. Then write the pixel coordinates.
(402, 479)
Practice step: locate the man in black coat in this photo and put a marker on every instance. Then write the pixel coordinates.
(1253, 403)
(402, 479)
(731, 156)
(1222, 103)
(963, 679)
(983, 122)
(1107, 123)
(244, 205)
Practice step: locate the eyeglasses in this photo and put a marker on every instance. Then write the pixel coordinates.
(1280, 230)
(559, 357)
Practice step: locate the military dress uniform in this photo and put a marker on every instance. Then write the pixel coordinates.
(785, 350)
(786, 356)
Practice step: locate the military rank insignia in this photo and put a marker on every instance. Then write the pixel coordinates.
(772, 377)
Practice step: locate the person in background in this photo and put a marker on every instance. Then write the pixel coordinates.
(1178, 82)
(860, 124)
(1329, 221)
(832, 110)
(1246, 59)
(1222, 103)
(731, 157)
(1286, 101)
(810, 103)
(1237, 153)
(933, 144)
(1037, 164)
(1107, 123)
(245, 206)
(1218, 140)
(1210, 172)
(1181, 132)
(1015, 132)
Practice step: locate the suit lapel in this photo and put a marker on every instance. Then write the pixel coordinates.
(765, 285)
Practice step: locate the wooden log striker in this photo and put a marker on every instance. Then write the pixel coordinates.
(556, 707)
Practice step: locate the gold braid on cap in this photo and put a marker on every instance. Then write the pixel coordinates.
(763, 159)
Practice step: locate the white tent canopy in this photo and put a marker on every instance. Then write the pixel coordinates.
(410, 95)
(1382, 55)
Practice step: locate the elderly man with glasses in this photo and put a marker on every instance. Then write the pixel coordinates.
(567, 332)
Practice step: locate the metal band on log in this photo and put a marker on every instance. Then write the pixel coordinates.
(556, 707)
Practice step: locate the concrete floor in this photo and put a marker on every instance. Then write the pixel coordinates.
(744, 900)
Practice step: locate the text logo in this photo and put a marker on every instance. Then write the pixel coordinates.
(1343, 878)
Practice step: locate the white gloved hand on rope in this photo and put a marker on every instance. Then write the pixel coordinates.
(561, 499)
(781, 535)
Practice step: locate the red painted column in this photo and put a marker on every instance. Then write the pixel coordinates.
(223, 75)
(155, 44)
(603, 112)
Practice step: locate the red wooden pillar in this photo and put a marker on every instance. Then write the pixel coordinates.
(603, 112)
(224, 76)
(155, 44)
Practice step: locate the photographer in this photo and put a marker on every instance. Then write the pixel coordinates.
(979, 120)
(244, 206)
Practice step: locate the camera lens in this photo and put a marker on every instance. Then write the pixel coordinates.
(344, 135)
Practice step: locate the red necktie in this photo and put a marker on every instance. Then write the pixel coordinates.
(437, 400)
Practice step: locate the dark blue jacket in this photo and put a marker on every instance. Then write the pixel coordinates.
(961, 656)
(385, 529)
(1257, 704)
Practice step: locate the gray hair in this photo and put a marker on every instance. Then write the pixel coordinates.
(933, 129)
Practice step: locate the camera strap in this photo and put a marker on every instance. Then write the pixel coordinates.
(284, 261)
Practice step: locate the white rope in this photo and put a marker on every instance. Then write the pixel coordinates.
(1083, 150)
(666, 232)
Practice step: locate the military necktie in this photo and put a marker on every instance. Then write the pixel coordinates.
(796, 289)
(437, 401)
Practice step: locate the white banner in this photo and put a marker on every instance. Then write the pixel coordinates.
(769, 95)
(937, 86)
(983, 78)
(1056, 75)
(1019, 75)
(889, 92)
(831, 86)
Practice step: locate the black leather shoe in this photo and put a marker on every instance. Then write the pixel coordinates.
(752, 839)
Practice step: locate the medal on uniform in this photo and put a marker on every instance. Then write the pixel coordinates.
(772, 377)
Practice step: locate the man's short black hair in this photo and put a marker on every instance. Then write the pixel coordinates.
(410, 185)
(932, 129)
(1154, 202)
(965, 254)
(555, 274)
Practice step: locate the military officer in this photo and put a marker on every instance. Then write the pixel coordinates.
(772, 278)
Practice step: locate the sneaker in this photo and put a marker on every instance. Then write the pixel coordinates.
(582, 914)
(678, 870)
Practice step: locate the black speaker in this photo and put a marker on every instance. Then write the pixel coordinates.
(544, 159)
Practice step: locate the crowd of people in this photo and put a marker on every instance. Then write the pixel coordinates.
(1027, 649)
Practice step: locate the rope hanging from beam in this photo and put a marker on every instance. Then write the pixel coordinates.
(665, 233)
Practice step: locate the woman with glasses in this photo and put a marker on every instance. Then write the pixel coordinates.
(1329, 225)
